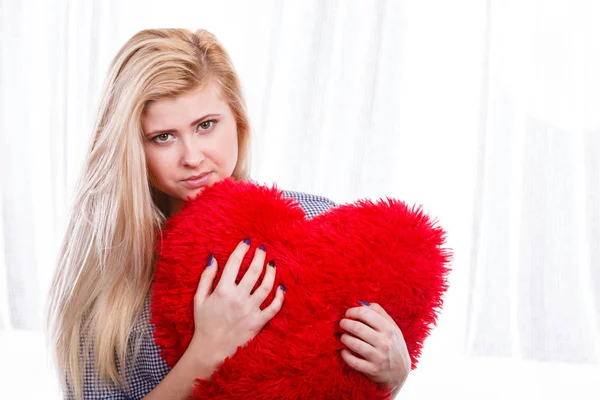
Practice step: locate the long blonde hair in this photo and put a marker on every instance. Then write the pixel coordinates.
(105, 264)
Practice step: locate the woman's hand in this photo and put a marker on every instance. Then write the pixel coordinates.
(230, 316)
(377, 340)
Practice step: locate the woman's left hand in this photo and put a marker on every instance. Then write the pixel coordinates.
(373, 335)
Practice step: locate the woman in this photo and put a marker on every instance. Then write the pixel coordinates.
(172, 121)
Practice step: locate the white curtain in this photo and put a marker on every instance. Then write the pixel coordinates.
(486, 112)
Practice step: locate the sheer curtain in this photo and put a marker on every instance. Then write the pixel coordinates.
(485, 112)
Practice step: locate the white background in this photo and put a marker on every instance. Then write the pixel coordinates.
(486, 112)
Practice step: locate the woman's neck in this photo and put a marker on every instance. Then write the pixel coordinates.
(173, 206)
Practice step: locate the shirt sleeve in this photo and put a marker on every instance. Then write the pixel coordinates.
(141, 376)
(149, 369)
(93, 389)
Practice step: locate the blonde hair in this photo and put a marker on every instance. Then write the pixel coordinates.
(105, 264)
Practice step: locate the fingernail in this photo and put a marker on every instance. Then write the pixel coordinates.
(282, 288)
(364, 303)
(262, 248)
(272, 264)
(210, 260)
(247, 241)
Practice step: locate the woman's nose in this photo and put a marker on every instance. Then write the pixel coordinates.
(192, 154)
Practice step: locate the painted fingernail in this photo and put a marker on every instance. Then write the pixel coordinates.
(210, 260)
(282, 288)
(262, 248)
(364, 303)
(272, 264)
(247, 241)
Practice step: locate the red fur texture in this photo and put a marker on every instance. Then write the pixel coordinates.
(383, 252)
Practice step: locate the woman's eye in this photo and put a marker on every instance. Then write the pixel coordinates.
(206, 125)
(161, 138)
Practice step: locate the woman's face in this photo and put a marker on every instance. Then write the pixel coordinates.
(190, 142)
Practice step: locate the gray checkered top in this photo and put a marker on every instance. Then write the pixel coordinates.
(150, 368)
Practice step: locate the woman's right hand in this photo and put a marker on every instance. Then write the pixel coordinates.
(230, 316)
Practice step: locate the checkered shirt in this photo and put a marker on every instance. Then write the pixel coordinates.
(150, 368)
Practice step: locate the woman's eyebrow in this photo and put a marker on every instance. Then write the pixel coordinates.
(195, 122)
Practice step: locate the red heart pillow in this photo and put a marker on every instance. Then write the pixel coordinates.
(383, 252)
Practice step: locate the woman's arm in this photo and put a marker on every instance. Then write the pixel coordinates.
(179, 382)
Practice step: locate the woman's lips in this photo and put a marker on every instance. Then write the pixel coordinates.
(195, 183)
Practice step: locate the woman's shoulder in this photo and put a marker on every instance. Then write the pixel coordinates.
(312, 204)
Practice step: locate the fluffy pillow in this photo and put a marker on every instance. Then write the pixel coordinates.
(383, 252)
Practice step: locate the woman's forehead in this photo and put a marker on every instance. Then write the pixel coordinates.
(191, 105)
